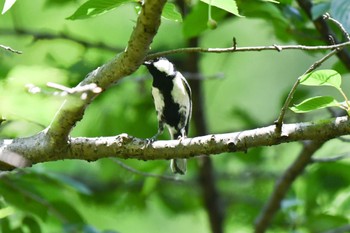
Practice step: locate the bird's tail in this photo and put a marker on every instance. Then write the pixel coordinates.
(178, 166)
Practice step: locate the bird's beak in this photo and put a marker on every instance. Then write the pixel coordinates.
(147, 63)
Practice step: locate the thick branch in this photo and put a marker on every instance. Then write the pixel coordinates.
(125, 146)
(122, 65)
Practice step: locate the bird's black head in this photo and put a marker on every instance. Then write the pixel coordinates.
(160, 66)
(152, 61)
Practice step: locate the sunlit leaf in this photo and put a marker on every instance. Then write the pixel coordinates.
(7, 6)
(322, 78)
(229, 6)
(315, 103)
(171, 13)
(195, 23)
(5, 212)
(96, 7)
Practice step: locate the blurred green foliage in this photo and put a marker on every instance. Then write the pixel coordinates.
(242, 91)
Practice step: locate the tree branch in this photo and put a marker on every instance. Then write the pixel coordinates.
(126, 147)
(145, 174)
(325, 31)
(342, 229)
(206, 177)
(124, 64)
(234, 49)
(10, 49)
(283, 184)
(50, 36)
(331, 159)
(290, 96)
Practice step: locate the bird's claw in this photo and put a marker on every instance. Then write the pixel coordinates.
(150, 140)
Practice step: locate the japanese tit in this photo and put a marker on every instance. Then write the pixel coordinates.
(173, 102)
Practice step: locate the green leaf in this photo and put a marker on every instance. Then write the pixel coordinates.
(64, 179)
(6, 211)
(7, 6)
(325, 222)
(24, 198)
(32, 224)
(5, 225)
(322, 78)
(315, 103)
(67, 212)
(270, 13)
(96, 7)
(171, 13)
(195, 23)
(226, 5)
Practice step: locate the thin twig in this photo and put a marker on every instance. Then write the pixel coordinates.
(279, 121)
(10, 49)
(234, 49)
(331, 159)
(64, 91)
(50, 36)
(327, 16)
(324, 30)
(342, 229)
(146, 174)
(286, 104)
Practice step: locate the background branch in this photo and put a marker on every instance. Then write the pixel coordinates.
(234, 49)
(325, 31)
(206, 179)
(331, 159)
(50, 36)
(342, 229)
(283, 184)
(10, 49)
(145, 174)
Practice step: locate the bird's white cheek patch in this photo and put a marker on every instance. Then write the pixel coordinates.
(158, 99)
(164, 66)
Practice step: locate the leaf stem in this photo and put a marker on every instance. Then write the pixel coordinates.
(314, 66)
(346, 99)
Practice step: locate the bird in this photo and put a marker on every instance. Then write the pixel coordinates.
(173, 103)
